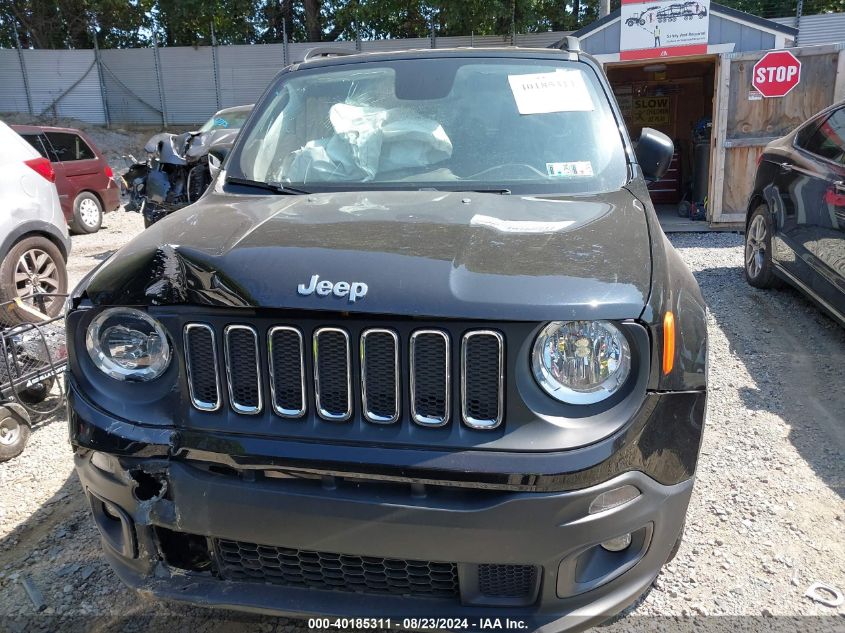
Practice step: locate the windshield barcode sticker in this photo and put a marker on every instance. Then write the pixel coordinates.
(566, 170)
(560, 91)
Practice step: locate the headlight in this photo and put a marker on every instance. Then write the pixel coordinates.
(128, 344)
(581, 362)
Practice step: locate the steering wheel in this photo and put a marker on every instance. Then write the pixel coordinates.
(524, 166)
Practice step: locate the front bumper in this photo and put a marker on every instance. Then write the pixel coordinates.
(551, 531)
(155, 496)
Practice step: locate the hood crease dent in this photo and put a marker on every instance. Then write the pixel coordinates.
(421, 253)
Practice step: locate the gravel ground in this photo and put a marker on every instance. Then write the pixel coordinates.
(767, 518)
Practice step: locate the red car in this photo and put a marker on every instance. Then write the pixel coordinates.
(83, 177)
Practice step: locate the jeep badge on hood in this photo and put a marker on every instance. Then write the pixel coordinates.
(354, 290)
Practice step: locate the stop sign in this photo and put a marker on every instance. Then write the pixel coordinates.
(776, 73)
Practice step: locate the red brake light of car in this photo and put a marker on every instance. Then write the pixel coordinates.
(759, 159)
(43, 167)
(108, 172)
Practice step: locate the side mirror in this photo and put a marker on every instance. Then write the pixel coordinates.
(654, 153)
(216, 155)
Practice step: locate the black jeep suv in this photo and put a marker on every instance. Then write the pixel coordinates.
(421, 351)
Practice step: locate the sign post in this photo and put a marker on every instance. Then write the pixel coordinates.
(663, 28)
(776, 74)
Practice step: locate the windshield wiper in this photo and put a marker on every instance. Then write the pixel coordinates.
(501, 192)
(275, 187)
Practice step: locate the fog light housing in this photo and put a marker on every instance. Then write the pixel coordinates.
(617, 544)
(116, 527)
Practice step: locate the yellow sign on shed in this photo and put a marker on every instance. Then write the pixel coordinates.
(651, 111)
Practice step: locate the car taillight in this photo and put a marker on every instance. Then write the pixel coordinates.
(43, 167)
(759, 159)
(108, 172)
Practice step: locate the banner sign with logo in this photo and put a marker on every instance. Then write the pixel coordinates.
(663, 28)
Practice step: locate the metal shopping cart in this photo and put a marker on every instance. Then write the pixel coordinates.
(33, 357)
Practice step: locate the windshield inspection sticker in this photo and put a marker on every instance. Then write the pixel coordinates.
(560, 91)
(568, 170)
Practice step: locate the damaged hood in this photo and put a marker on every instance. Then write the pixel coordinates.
(428, 253)
(203, 141)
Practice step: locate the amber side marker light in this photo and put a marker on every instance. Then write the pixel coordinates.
(668, 342)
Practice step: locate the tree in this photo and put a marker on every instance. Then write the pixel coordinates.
(188, 22)
(45, 24)
(128, 23)
(122, 23)
(278, 18)
(379, 19)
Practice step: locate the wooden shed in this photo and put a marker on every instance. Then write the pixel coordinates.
(700, 93)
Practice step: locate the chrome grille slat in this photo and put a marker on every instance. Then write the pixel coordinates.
(332, 374)
(380, 380)
(286, 356)
(201, 366)
(430, 377)
(482, 379)
(242, 369)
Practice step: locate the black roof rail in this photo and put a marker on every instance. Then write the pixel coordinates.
(326, 51)
(569, 43)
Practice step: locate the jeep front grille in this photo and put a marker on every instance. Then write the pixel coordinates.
(332, 374)
(482, 584)
(201, 363)
(430, 377)
(380, 375)
(287, 371)
(481, 388)
(507, 581)
(331, 379)
(242, 373)
(242, 561)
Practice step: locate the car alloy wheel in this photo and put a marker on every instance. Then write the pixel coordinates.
(755, 246)
(36, 273)
(89, 212)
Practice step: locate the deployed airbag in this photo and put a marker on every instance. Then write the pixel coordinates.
(367, 141)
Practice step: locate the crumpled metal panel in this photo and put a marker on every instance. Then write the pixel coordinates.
(157, 186)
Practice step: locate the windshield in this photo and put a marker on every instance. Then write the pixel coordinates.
(526, 125)
(225, 120)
